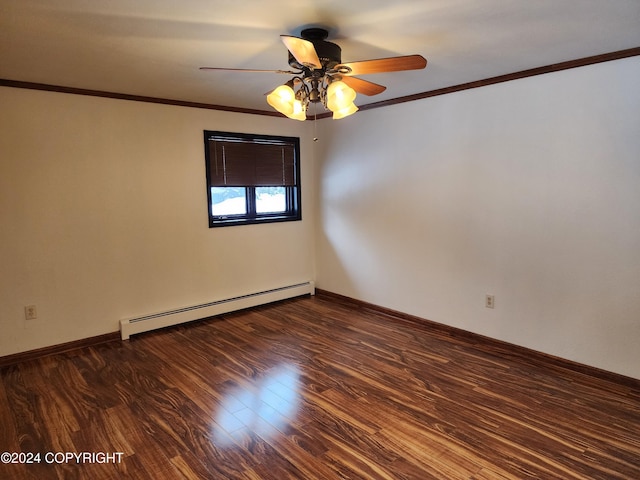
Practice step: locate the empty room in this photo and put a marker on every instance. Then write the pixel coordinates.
(320, 240)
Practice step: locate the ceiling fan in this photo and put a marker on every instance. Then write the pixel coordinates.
(321, 77)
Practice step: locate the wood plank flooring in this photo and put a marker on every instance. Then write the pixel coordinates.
(311, 389)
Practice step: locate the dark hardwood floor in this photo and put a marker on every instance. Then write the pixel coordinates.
(311, 389)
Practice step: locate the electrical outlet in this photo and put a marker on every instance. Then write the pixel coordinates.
(30, 312)
(490, 301)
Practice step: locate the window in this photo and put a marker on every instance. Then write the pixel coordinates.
(252, 178)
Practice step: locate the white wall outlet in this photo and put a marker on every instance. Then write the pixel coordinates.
(490, 301)
(30, 312)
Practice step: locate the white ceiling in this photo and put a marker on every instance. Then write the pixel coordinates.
(154, 47)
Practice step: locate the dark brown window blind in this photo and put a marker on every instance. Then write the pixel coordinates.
(249, 163)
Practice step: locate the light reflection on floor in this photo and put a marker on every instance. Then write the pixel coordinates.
(264, 407)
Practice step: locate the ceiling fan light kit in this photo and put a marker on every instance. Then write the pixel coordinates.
(321, 77)
(335, 95)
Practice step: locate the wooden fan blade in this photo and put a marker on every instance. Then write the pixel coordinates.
(391, 64)
(303, 51)
(364, 86)
(250, 70)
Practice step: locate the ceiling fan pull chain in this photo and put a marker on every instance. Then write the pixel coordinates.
(315, 124)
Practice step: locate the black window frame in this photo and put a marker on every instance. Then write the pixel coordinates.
(293, 196)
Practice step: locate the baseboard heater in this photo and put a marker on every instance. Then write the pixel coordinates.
(146, 323)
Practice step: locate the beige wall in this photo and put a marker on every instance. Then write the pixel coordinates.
(104, 216)
(527, 190)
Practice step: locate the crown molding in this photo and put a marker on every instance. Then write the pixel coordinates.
(135, 98)
(556, 67)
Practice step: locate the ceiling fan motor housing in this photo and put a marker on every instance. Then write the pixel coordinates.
(329, 53)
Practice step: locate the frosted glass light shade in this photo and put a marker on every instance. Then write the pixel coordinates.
(299, 112)
(339, 96)
(282, 99)
(345, 112)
